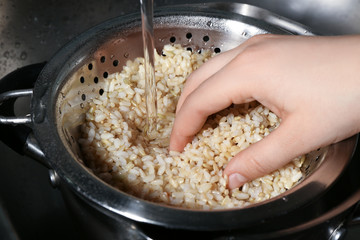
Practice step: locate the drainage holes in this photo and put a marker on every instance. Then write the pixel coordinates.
(206, 38)
(82, 79)
(101, 91)
(188, 35)
(90, 66)
(115, 63)
(96, 79)
(189, 49)
(217, 50)
(102, 59)
(172, 39)
(106, 74)
(83, 97)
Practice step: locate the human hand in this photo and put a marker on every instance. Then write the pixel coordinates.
(311, 83)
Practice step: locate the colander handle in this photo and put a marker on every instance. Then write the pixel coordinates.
(16, 132)
(14, 95)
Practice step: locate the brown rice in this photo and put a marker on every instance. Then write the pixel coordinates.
(117, 150)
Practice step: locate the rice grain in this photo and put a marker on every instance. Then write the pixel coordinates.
(117, 150)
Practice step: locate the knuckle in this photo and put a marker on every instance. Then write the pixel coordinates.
(259, 53)
(252, 52)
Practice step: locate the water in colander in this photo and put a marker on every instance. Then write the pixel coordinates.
(150, 83)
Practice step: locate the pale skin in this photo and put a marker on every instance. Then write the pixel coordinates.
(311, 83)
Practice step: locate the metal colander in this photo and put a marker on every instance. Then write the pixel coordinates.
(192, 32)
(76, 74)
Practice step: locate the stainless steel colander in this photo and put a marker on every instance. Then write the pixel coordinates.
(76, 74)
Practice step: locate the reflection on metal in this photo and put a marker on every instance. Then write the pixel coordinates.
(15, 94)
(262, 15)
(54, 178)
(32, 149)
(338, 233)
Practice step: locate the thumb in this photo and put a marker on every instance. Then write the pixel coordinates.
(272, 152)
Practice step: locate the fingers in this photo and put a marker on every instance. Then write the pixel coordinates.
(211, 96)
(267, 155)
(256, 70)
(215, 64)
(206, 70)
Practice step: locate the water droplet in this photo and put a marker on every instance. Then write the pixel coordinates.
(245, 34)
(81, 105)
(126, 55)
(285, 199)
(23, 55)
(209, 24)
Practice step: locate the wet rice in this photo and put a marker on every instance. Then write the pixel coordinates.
(117, 150)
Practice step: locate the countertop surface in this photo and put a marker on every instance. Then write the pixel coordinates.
(31, 31)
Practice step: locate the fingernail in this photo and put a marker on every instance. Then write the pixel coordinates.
(236, 180)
